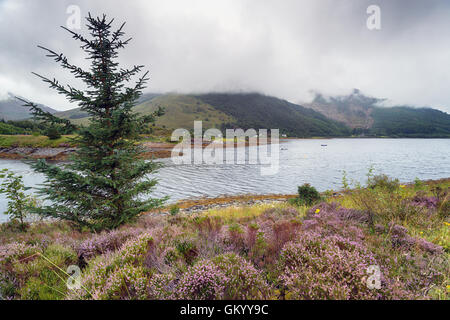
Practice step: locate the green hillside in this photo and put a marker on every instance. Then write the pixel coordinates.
(182, 110)
(75, 115)
(253, 110)
(410, 122)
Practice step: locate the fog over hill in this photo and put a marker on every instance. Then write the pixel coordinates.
(12, 109)
(367, 115)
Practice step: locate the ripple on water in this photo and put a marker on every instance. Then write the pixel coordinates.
(303, 161)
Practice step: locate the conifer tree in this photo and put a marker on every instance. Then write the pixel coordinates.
(104, 184)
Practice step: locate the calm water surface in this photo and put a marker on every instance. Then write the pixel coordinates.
(300, 161)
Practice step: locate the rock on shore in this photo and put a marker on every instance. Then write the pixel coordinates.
(36, 153)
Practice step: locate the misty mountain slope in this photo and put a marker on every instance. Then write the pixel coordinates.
(353, 110)
(253, 110)
(12, 109)
(364, 116)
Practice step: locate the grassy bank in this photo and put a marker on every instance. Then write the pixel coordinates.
(8, 141)
(282, 250)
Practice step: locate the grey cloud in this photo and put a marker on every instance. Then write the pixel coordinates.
(283, 48)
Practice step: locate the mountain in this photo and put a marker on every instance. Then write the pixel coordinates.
(354, 110)
(253, 110)
(364, 116)
(355, 114)
(232, 110)
(12, 109)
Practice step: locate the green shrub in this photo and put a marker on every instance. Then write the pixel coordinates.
(8, 286)
(60, 255)
(187, 249)
(418, 184)
(19, 203)
(174, 210)
(53, 133)
(43, 275)
(383, 182)
(307, 195)
(10, 129)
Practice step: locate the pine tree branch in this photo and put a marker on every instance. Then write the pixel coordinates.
(79, 73)
(152, 117)
(45, 116)
(72, 93)
(126, 74)
(76, 36)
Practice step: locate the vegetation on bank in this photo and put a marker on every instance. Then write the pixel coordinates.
(7, 128)
(40, 141)
(319, 250)
(35, 141)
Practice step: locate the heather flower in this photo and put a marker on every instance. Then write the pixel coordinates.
(162, 286)
(16, 251)
(424, 201)
(402, 241)
(334, 267)
(104, 242)
(332, 220)
(134, 250)
(245, 281)
(110, 274)
(203, 281)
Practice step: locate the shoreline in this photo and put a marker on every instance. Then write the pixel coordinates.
(153, 150)
(201, 204)
(156, 150)
(195, 205)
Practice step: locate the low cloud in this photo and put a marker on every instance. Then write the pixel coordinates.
(285, 49)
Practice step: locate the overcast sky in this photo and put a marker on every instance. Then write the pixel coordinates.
(283, 48)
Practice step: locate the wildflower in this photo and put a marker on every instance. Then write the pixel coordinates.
(402, 186)
(446, 223)
(317, 211)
